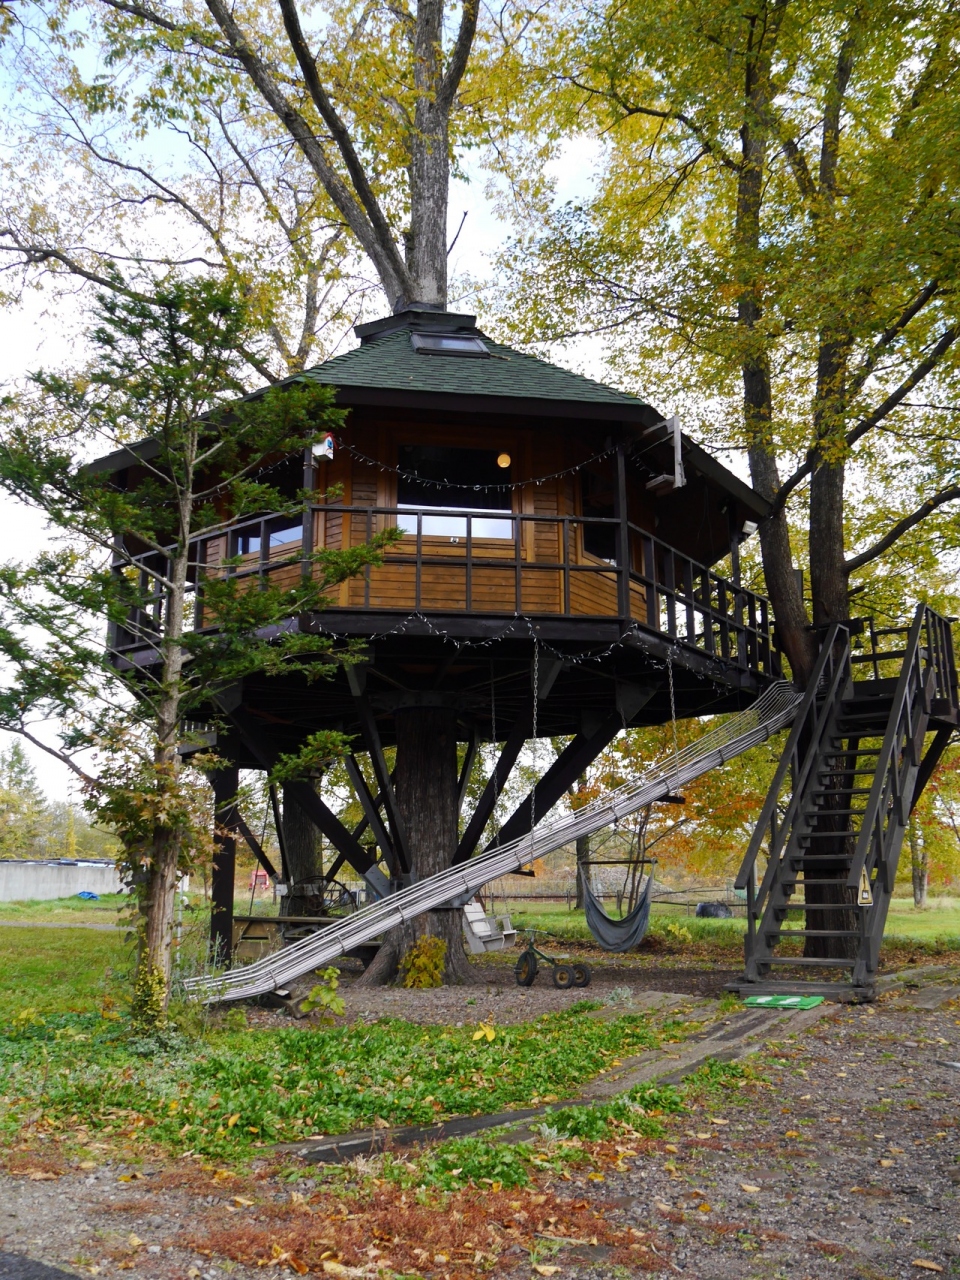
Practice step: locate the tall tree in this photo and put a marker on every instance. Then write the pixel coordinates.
(771, 247)
(163, 390)
(22, 804)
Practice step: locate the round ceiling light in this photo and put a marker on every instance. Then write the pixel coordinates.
(503, 460)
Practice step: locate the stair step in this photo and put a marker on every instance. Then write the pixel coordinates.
(842, 791)
(812, 962)
(827, 835)
(838, 813)
(818, 933)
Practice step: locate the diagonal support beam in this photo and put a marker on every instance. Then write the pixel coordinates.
(469, 757)
(371, 810)
(255, 847)
(356, 678)
(278, 827)
(577, 756)
(930, 760)
(253, 738)
(498, 778)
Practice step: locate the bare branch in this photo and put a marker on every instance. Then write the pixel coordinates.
(893, 401)
(903, 526)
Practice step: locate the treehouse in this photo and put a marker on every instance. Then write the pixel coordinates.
(554, 576)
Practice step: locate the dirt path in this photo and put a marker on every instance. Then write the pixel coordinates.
(844, 1165)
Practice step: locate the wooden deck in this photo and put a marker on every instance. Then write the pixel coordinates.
(541, 570)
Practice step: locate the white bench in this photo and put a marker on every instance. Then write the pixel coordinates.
(486, 933)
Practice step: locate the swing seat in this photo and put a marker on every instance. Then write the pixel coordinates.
(485, 933)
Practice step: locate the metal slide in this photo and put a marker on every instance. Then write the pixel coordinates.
(770, 713)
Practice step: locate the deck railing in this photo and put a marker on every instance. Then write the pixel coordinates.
(566, 566)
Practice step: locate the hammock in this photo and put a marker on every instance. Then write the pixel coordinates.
(618, 935)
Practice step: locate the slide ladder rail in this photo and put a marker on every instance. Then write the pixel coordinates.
(772, 712)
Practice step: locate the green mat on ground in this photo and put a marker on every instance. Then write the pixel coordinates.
(785, 1002)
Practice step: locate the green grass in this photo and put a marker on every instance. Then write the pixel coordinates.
(938, 923)
(59, 970)
(67, 910)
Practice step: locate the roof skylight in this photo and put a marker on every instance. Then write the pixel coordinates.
(448, 344)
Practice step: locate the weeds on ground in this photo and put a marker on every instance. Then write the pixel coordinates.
(232, 1091)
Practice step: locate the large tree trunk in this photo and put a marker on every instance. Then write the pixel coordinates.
(426, 239)
(304, 863)
(426, 787)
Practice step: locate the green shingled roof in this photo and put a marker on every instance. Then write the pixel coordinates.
(389, 362)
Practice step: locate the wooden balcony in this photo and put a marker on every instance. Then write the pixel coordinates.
(587, 569)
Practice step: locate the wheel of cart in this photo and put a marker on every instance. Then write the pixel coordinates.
(563, 972)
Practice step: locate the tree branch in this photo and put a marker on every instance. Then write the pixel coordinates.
(385, 258)
(903, 526)
(872, 420)
(342, 139)
(458, 58)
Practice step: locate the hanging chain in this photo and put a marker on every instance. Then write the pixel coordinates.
(536, 754)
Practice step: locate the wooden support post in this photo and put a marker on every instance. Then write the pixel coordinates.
(621, 511)
(577, 756)
(226, 782)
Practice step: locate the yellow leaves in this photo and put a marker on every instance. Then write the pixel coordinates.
(595, 1177)
(41, 1175)
(543, 1270)
(485, 1031)
(703, 1207)
(242, 1201)
(233, 1120)
(674, 1150)
(750, 1187)
(926, 1265)
(792, 1133)
(134, 1241)
(718, 1120)
(886, 1164)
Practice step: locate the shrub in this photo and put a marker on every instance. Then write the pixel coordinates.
(423, 964)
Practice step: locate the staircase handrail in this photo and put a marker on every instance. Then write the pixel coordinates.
(910, 680)
(813, 693)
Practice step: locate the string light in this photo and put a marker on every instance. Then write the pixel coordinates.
(505, 486)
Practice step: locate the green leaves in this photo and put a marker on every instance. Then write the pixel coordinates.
(293, 1082)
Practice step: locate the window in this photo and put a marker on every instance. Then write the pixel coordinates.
(596, 500)
(457, 481)
(282, 532)
(448, 344)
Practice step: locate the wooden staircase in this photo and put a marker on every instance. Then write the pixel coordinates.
(866, 739)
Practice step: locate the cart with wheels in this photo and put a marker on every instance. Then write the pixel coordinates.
(563, 972)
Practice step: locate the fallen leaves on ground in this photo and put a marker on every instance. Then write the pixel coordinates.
(387, 1229)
